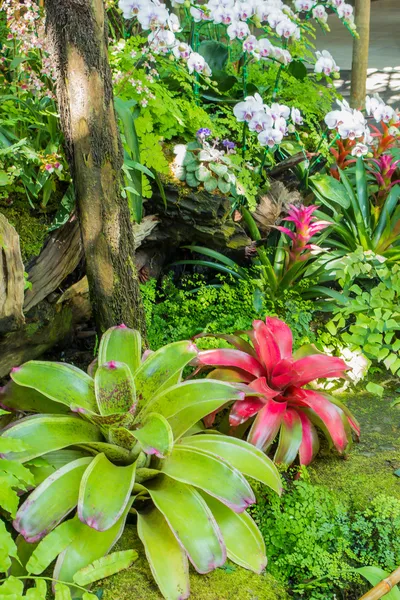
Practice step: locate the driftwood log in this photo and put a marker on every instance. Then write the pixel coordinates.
(11, 278)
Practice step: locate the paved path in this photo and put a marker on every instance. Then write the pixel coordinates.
(384, 52)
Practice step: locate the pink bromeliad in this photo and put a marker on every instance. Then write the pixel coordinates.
(281, 403)
(306, 226)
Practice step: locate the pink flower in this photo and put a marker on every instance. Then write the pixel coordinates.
(306, 226)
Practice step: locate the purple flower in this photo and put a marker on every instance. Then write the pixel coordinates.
(228, 144)
(203, 132)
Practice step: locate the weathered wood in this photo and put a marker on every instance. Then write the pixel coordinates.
(194, 216)
(78, 34)
(11, 278)
(59, 257)
(47, 324)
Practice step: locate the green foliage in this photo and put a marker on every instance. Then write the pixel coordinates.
(316, 540)
(174, 313)
(368, 316)
(134, 423)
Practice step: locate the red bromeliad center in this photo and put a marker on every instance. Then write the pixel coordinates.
(270, 368)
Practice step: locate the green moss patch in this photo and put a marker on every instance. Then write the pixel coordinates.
(32, 230)
(137, 583)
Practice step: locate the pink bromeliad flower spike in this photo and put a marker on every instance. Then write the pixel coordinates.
(306, 226)
(281, 404)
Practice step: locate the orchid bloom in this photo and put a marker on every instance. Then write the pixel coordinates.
(306, 228)
(281, 404)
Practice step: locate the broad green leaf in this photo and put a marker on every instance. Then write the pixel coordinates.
(39, 592)
(211, 474)
(9, 499)
(113, 453)
(167, 560)
(330, 191)
(105, 567)
(249, 552)
(10, 445)
(24, 552)
(52, 545)
(375, 575)
(162, 366)
(60, 382)
(191, 521)
(46, 433)
(8, 548)
(89, 596)
(62, 592)
(122, 345)
(245, 457)
(155, 435)
(374, 388)
(39, 514)
(12, 585)
(104, 492)
(115, 389)
(18, 397)
(362, 191)
(185, 404)
(89, 545)
(18, 470)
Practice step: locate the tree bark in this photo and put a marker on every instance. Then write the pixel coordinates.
(360, 54)
(78, 33)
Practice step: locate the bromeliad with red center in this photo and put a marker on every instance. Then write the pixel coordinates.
(281, 403)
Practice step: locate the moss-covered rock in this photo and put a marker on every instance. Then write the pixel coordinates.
(369, 468)
(136, 583)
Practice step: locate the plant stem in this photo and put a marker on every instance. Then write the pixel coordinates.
(79, 587)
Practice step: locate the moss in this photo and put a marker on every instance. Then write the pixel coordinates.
(222, 584)
(369, 468)
(32, 230)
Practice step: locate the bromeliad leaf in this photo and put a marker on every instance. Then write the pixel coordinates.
(39, 514)
(60, 382)
(105, 567)
(240, 454)
(155, 435)
(115, 388)
(167, 559)
(46, 433)
(121, 344)
(211, 474)
(104, 492)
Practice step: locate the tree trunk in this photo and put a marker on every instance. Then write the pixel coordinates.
(360, 54)
(78, 32)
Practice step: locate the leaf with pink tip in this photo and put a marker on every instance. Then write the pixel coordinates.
(210, 473)
(244, 543)
(309, 442)
(245, 409)
(155, 435)
(89, 545)
(225, 357)
(354, 424)
(104, 492)
(190, 520)
(123, 345)
(167, 560)
(324, 409)
(267, 347)
(115, 389)
(39, 514)
(317, 366)
(266, 424)
(60, 382)
(282, 335)
(289, 438)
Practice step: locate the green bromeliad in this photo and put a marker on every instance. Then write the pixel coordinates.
(124, 442)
